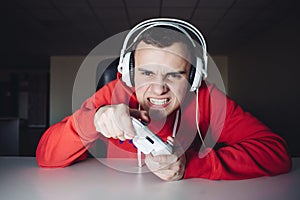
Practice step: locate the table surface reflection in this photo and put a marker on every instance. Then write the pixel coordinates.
(21, 178)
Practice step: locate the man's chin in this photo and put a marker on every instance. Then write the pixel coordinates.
(158, 114)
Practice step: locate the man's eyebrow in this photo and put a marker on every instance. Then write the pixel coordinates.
(179, 72)
(168, 73)
(143, 70)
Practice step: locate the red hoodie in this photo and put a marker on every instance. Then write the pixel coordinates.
(238, 145)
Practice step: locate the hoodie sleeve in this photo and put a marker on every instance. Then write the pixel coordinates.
(244, 147)
(67, 141)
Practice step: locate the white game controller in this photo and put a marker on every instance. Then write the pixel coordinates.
(147, 142)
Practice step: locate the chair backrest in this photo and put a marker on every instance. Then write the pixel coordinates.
(106, 72)
(110, 67)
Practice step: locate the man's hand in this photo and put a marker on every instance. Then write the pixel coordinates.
(114, 121)
(168, 167)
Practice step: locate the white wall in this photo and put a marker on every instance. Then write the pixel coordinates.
(72, 80)
(63, 71)
(221, 63)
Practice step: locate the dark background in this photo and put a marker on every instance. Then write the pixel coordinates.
(260, 38)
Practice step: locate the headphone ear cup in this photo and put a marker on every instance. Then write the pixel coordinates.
(131, 68)
(125, 69)
(197, 76)
(192, 75)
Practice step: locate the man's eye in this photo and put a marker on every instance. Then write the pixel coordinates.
(147, 73)
(175, 75)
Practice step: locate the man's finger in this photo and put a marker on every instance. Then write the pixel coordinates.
(128, 131)
(140, 114)
(165, 159)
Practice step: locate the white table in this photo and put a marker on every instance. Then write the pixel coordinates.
(21, 178)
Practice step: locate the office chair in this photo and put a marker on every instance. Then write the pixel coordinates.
(110, 73)
(106, 72)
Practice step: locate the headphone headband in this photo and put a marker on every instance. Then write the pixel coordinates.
(182, 26)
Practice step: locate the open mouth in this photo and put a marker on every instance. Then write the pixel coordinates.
(159, 102)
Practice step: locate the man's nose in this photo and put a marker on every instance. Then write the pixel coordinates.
(159, 87)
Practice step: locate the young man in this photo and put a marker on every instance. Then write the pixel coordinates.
(161, 75)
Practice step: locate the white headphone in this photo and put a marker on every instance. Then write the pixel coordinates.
(201, 64)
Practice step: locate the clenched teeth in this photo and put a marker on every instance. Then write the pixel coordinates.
(158, 102)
